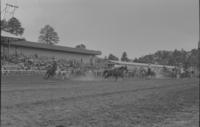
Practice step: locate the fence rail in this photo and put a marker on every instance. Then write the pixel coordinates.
(8, 72)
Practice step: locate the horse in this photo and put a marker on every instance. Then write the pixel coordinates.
(144, 73)
(51, 71)
(116, 72)
(150, 73)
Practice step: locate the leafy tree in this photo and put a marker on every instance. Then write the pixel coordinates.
(112, 57)
(124, 57)
(136, 60)
(81, 46)
(48, 35)
(12, 26)
(3, 25)
(174, 58)
(193, 58)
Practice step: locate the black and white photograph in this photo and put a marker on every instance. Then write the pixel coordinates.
(100, 63)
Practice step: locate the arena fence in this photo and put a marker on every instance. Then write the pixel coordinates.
(94, 73)
(18, 72)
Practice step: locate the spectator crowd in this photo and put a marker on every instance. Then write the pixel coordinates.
(39, 64)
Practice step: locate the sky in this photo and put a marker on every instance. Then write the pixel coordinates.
(139, 27)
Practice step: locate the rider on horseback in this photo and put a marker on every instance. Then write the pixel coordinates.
(149, 70)
(150, 73)
(54, 65)
(51, 71)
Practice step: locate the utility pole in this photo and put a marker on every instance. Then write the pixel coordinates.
(199, 43)
(199, 27)
(14, 8)
(199, 31)
(9, 10)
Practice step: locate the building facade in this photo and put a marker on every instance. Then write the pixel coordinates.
(11, 46)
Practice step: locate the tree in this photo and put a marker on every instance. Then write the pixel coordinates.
(193, 58)
(124, 57)
(81, 46)
(174, 58)
(12, 26)
(112, 57)
(3, 25)
(136, 60)
(48, 35)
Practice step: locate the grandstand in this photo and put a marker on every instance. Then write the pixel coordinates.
(19, 56)
(14, 45)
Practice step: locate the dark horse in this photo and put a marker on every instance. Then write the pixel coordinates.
(116, 72)
(150, 73)
(51, 71)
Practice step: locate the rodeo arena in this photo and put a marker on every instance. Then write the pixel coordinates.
(56, 86)
(20, 57)
(44, 85)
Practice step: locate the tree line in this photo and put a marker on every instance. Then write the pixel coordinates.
(162, 57)
(12, 26)
(124, 57)
(174, 58)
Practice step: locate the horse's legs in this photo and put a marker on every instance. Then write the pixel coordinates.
(64, 75)
(49, 75)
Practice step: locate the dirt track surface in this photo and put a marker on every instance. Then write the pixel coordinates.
(33, 102)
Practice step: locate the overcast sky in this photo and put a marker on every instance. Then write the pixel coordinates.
(138, 27)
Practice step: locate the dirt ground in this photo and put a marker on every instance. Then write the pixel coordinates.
(33, 102)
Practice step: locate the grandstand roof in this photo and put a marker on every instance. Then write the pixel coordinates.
(53, 47)
(9, 35)
(139, 64)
